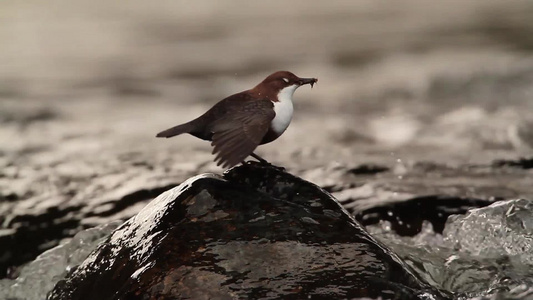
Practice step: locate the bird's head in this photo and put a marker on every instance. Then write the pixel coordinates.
(282, 83)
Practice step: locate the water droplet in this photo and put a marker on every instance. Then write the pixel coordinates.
(450, 260)
(256, 219)
(310, 220)
(315, 204)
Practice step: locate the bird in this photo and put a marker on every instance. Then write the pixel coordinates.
(239, 123)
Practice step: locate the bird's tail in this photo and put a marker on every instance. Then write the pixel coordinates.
(176, 130)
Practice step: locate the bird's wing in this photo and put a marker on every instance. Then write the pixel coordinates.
(240, 130)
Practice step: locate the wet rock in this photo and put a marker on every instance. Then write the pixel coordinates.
(256, 232)
(522, 163)
(407, 217)
(368, 169)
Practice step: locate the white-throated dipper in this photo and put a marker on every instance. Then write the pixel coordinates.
(239, 123)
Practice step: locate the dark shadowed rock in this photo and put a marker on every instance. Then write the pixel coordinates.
(407, 217)
(523, 163)
(256, 232)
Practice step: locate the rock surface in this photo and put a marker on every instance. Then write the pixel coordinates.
(256, 232)
(407, 217)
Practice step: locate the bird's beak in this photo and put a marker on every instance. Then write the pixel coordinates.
(310, 81)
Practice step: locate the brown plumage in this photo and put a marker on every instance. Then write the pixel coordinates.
(239, 123)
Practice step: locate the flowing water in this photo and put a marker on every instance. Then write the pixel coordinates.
(38, 277)
(484, 254)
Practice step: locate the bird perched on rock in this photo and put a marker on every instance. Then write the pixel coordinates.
(239, 123)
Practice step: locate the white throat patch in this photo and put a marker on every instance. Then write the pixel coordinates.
(283, 109)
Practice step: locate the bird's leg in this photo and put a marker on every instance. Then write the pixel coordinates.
(260, 159)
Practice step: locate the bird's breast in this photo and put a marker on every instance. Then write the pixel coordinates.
(283, 109)
(281, 121)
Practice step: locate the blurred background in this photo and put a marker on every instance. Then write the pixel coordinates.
(86, 85)
(444, 81)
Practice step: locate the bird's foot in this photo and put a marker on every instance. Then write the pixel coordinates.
(282, 169)
(264, 162)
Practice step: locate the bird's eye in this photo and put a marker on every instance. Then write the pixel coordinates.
(286, 80)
